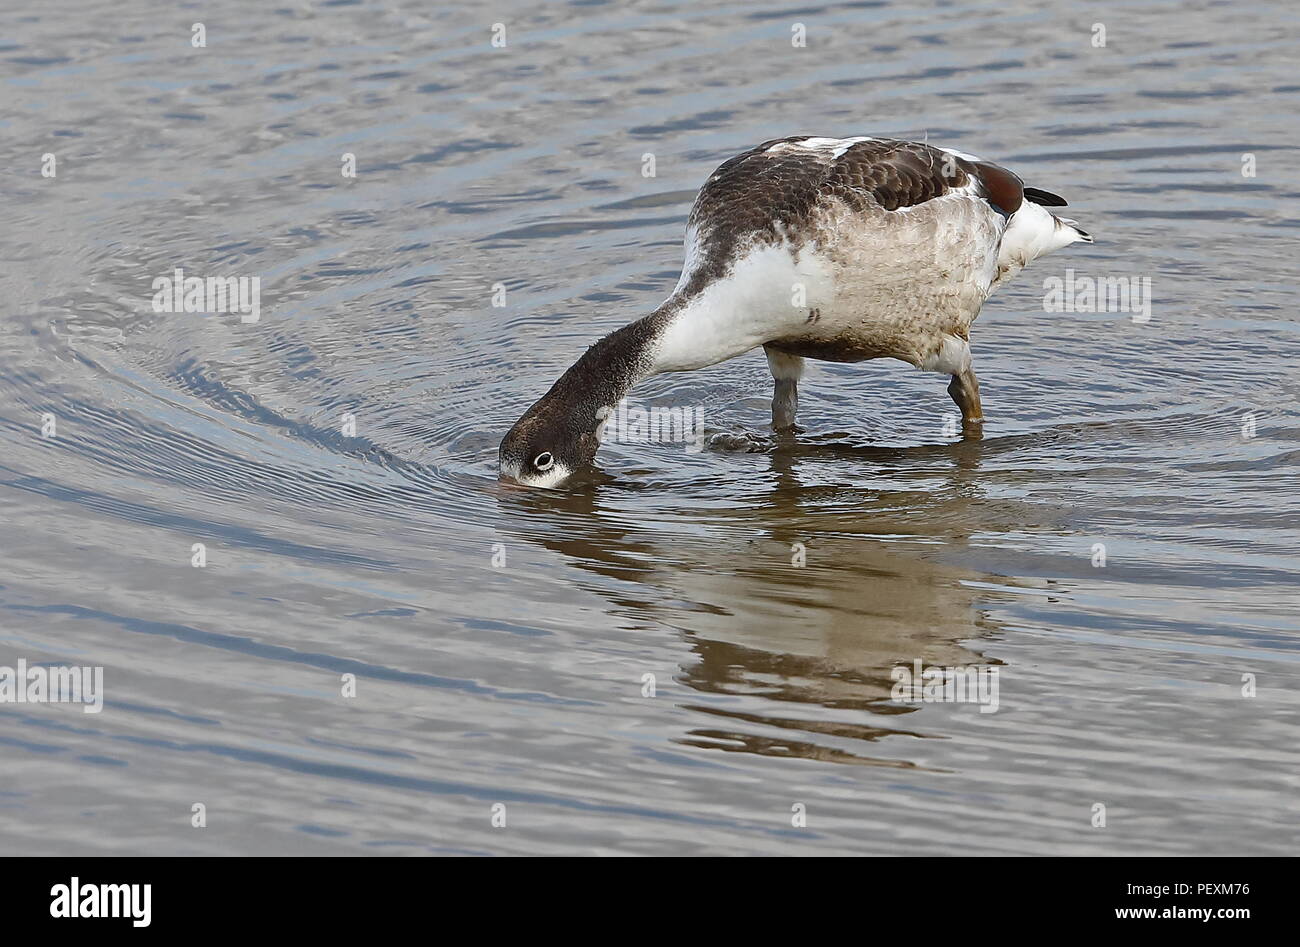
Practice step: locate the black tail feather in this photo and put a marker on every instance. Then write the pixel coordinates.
(1046, 198)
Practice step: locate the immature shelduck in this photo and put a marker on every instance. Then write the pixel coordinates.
(840, 249)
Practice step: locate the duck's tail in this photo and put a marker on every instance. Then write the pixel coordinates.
(1033, 231)
(1048, 199)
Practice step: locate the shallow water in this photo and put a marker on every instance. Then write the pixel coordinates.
(372, 554)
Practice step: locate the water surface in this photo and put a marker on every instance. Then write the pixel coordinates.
(337, 458)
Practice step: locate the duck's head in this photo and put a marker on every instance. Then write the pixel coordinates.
(560, 434)
(552, 441)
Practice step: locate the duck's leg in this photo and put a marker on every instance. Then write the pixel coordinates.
(965, 390)
(786, 371)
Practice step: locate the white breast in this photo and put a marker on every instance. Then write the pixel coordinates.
(766, 295)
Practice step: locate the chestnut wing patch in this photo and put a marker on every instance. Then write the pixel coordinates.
(1001, 188)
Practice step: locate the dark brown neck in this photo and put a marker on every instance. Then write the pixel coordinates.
(605, 372)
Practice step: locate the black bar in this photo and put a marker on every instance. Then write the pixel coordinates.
(329, 896)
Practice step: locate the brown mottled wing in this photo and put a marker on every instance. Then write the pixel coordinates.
(773, 190)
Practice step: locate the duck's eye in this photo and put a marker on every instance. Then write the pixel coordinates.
(544, 461)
